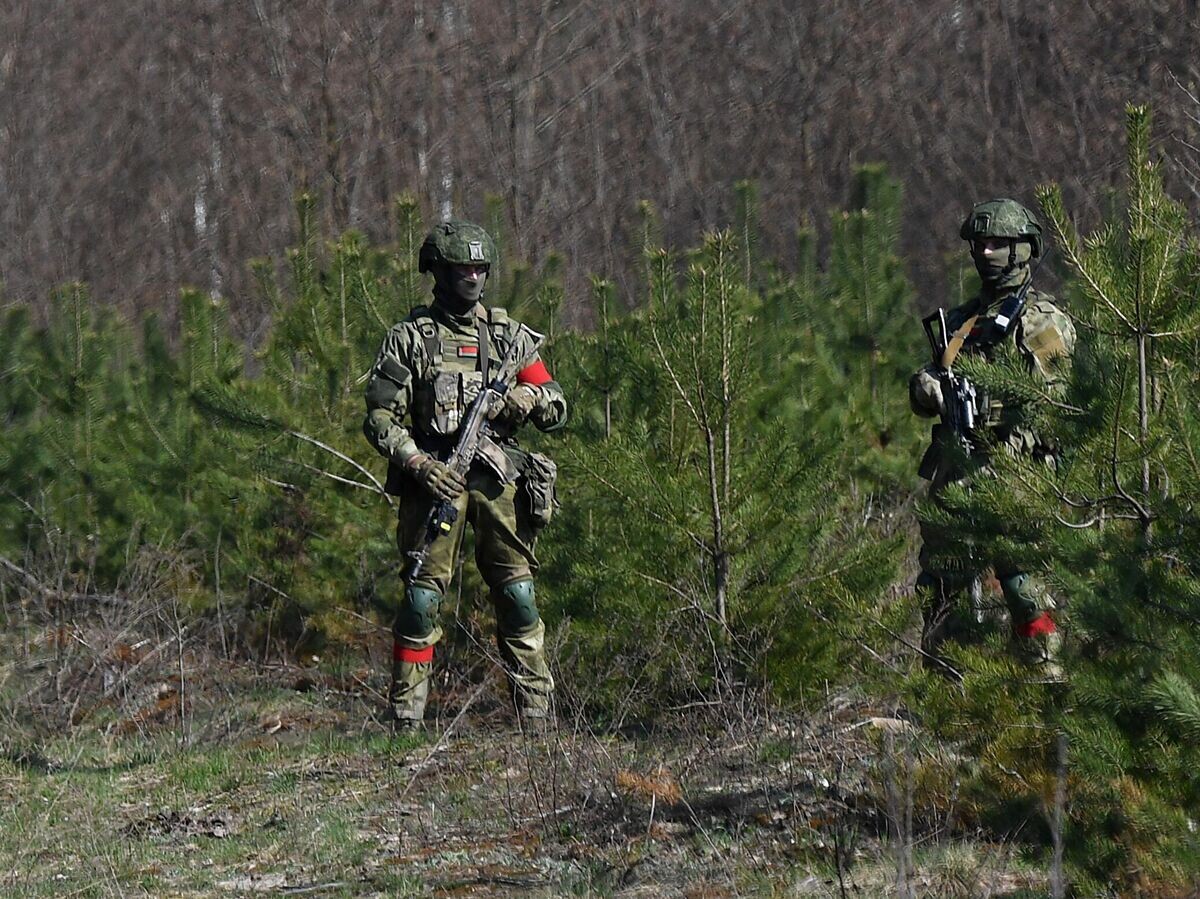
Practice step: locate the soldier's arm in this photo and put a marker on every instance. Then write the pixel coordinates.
(1048, 337)
(925, 393)
(549, 411)
(388, 396)
(924, 387)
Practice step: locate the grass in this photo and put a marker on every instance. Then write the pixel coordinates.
(110, 815)
(265, 786)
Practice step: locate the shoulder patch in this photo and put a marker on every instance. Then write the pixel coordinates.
(1046, 330)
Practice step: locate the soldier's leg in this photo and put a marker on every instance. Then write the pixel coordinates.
(1035, 636)
(945, 615)
(520, 637)
(945, 607)
(504, 552)
(416, 629)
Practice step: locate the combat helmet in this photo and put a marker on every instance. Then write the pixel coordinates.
(1003, 218)
(457, 243)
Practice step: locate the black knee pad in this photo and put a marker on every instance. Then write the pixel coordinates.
(418, 613)
(516, 609)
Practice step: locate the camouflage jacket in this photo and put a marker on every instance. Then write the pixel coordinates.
(427, 374)
(1044, 337)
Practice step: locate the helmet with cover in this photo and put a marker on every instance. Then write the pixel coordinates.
(456, 243)
(1003, 218)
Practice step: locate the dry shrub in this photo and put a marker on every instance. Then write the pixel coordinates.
(659, 785)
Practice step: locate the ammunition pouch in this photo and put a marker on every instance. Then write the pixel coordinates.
(441, 406)
(494, 457)
(536, 488)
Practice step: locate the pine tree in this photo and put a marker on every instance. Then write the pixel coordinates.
(710, 509)
(1114, 527)
(1134, 573)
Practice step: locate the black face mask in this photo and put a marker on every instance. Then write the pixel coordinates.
(1004, 269)
(455, 291)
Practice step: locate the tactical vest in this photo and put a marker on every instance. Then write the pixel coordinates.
(451, 371)
(1036, 333)
(1040, 334)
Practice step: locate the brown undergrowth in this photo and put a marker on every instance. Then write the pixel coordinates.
(142, 756)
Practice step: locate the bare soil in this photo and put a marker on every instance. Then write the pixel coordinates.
(122, 775)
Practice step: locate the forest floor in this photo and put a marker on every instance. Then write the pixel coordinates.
(131, 775)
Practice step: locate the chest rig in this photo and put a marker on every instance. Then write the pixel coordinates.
(1036, 345)
(984, 337)
(454, 367)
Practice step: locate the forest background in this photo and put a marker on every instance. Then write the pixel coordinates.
(157, 144)
(207, 234)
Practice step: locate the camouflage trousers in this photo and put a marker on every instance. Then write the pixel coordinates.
(504, 544)
(947, 604)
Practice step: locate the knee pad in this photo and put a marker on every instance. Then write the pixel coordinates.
(516, 609)
(418, 613)
(1026, 596)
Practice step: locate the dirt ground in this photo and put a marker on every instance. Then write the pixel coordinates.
(123, 775)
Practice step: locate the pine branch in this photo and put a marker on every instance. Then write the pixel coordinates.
(221, 403)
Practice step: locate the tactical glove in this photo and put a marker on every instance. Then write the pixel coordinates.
(925, 391)
(519, 402)
(442, 481)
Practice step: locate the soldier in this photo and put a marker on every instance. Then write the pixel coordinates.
(1004, 236)
(429, 369)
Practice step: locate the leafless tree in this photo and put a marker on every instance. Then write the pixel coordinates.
(150, 144)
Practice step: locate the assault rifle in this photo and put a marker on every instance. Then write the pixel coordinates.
(960, 402)
(959, 397)
(474, 430)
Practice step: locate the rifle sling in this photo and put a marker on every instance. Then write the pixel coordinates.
(956, 342)
(481, 330)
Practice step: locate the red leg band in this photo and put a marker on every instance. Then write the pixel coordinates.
(404, 654)
(1043, 624)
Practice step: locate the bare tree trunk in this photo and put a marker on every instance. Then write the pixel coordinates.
(1144, 427)
(216, 283)
(1058, 881)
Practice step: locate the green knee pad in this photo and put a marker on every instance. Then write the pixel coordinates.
(516, 609)
(1025, 596)
(418, 613)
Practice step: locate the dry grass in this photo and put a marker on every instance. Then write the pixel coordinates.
(138, 758)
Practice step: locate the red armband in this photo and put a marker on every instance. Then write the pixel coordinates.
(1043, 624)
(534, 375)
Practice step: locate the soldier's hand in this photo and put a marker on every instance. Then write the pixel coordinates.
(437, 477)
(519, 401)
(495, 405)
(927, 394)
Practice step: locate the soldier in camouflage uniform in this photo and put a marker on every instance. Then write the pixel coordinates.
(1004, 237)
(430, 368)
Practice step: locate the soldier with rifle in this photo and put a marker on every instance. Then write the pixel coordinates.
(1004, 238)
(452, 385)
